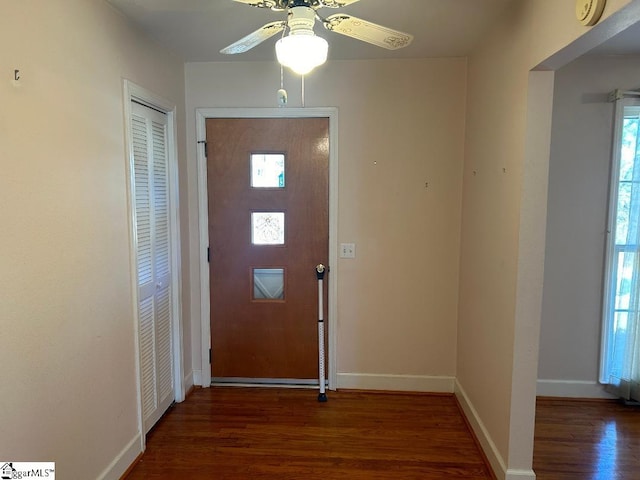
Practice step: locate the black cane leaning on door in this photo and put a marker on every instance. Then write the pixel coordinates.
(322, 396)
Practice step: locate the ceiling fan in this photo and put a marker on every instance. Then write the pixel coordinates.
(301, 49)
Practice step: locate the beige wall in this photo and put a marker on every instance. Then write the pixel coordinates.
(507, 144)
(401, 125)
(67, 360)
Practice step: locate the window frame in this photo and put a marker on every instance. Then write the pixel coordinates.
(623, 101)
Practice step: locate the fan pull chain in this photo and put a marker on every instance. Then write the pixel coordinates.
(282, 93)
(302, 77)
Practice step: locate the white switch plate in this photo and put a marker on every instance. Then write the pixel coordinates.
(347, 250)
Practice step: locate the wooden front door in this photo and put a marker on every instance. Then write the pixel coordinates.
(268, 184)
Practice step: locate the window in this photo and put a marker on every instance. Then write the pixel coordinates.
(267, 228)
(622, 287)
(268, 284)
(267, 170)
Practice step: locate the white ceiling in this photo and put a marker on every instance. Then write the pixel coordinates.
(198, 29)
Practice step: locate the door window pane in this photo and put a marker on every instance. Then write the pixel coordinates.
(268, 284)
(267, 170)
(267, 228)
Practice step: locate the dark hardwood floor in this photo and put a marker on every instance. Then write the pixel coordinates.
(269, 433)
(586, 440)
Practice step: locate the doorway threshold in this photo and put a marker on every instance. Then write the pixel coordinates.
(264, 382)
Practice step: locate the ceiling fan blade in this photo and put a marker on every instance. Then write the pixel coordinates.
(367, 31)
(259, 3)
(337, 3)
(254, 38)
(284, 4)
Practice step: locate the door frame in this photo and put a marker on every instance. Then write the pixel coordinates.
(202, 114)
(134, 92)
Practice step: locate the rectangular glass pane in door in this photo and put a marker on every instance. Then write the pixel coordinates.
(267, 170)
(267, 228)
(268, 284)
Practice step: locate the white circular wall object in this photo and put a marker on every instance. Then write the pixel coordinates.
(588, 12)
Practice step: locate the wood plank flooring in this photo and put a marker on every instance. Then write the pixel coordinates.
(586, 440)
(270, 433)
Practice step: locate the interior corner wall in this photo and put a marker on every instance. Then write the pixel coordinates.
(500, 271)
(69, 380)
(400, 150)
(577, 223)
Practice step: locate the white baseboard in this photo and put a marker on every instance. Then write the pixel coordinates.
(399, 383)
(489, 448)
(571, 389)
(197, 378)
(123, 461)
(520, 475)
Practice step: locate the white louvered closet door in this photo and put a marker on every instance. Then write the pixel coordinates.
(151, 204)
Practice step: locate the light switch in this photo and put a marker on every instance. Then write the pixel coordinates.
(347, 250)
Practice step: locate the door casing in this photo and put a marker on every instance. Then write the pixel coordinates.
(203, 221)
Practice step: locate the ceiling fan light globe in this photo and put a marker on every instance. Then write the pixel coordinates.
(302, 52)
